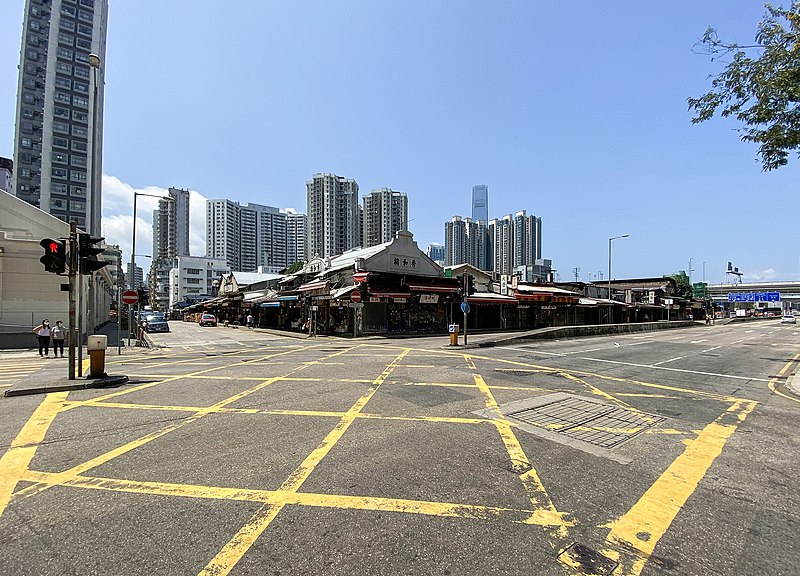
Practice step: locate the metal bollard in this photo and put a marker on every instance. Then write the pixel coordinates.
(96, 345)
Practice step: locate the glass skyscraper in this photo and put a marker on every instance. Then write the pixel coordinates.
(480, 203)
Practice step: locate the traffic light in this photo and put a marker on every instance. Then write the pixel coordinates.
(144, 296)
(55, 255)
(87, 253)
(470, 285)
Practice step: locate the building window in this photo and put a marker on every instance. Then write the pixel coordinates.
(83, 43)
(85, 16)
(67, 10)
(79, 116)
(77, 206)
(89, 3)
(80, 101)
(85, 30)
(67, 25)
(65, 83)
(60, 142)
(58, 203)
(61, 112)
(27, 113)
(65, 53)
(64, 68)
(60, 157)
(80, 131)
(58, 188)
(64, 38)
(78, 145)
(25, 142)
(61, 127)
(28, 98)
(79, 192)
(80, 87)
(81, 72)
(78, 161)
(61, 97)
(78, 176)
(59, 173)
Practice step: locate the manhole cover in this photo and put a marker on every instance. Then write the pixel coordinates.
(597, 423)
(587, 561)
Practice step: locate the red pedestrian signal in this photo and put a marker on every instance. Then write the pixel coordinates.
(55, 255)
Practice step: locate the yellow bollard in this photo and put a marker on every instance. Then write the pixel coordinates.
(453, 334)
(96, 345)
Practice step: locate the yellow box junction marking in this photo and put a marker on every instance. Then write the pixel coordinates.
(774, 381)
(233, 551)
(641, 528)
(14, 463)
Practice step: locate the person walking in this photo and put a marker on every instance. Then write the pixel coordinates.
(59, 335)
(249, 320)
(43, 333)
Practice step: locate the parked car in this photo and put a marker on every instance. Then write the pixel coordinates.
(208, 320)
(788, 319)
(155, 324)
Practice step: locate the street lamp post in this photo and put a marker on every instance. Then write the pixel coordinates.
(610, 307)
(94, 184)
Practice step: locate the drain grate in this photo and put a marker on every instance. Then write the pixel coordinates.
(595, 423)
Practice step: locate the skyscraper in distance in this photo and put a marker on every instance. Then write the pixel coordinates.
(58, 137)
(385, 213)
(480, 203)
(334, 218)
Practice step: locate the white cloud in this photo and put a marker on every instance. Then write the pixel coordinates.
(117, 222)
(761, 275)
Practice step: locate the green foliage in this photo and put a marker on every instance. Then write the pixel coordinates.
(295, 267)
(683, 288)
(760, 85)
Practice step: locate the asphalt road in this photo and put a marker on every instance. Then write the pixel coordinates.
(237, 451)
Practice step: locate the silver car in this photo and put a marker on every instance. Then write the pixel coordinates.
(788, 319)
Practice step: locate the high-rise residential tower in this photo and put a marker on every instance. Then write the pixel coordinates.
(334, 222)
(480, 203)
(171, 225)
(252, 236)
(465, 242)
(385, 212)
(59, 131)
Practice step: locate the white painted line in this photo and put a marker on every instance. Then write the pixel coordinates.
(737, 341)
(698, 341)
(710, 349)
(747, 331)
(666, 361)
(676, 369)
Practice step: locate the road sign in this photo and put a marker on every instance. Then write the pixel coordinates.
(465, 307)
(355, 296)
(130, 297)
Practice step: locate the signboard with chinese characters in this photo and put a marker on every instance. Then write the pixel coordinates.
(428, 298)
(403, 263)
(504, 284)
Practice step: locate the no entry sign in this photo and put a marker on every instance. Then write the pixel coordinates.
(355, 296)
(130, 297)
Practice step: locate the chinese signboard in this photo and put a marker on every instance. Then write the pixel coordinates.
(404, 262)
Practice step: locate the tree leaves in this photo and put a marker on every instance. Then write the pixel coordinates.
(760, 85)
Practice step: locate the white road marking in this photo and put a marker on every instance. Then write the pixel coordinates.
(675, 369)
(698, 341)
(710, 349)
(665, 361)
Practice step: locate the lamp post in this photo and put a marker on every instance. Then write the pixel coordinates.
(132, 285)
(94, 186)
(610, 308)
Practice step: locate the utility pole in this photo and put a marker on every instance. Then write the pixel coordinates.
(577, 272)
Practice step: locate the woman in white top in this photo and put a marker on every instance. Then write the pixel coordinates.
(43, 333)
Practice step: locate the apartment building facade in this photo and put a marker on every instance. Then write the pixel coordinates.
(334, 216)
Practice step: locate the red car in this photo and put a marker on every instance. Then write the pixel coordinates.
(208, 320)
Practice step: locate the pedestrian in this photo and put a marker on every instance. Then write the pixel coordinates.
(43, 333)
(249, 320)
(59, 335)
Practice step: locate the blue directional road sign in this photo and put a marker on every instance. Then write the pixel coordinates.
(465, 307)
(754, 296)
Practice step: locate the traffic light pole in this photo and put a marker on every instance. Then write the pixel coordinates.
(73, 290)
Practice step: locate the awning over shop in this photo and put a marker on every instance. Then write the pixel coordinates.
(340, 292)
(312, 286)
(432, 288)
(490, 298)
(587, 302)
(360, 277)
(386, 294)
(537, 297)
(288, 298)
(270, 304)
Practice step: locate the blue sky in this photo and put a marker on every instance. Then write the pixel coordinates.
(575, 112)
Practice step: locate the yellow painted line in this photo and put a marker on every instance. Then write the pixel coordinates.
(15, 461)
(233, 551)
(284, 498)
(774, 381)
(544, 510)
(639, 530)
(720, 397)
(470, 362)
(645, 395)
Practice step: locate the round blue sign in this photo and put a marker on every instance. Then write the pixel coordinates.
(465, 307)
